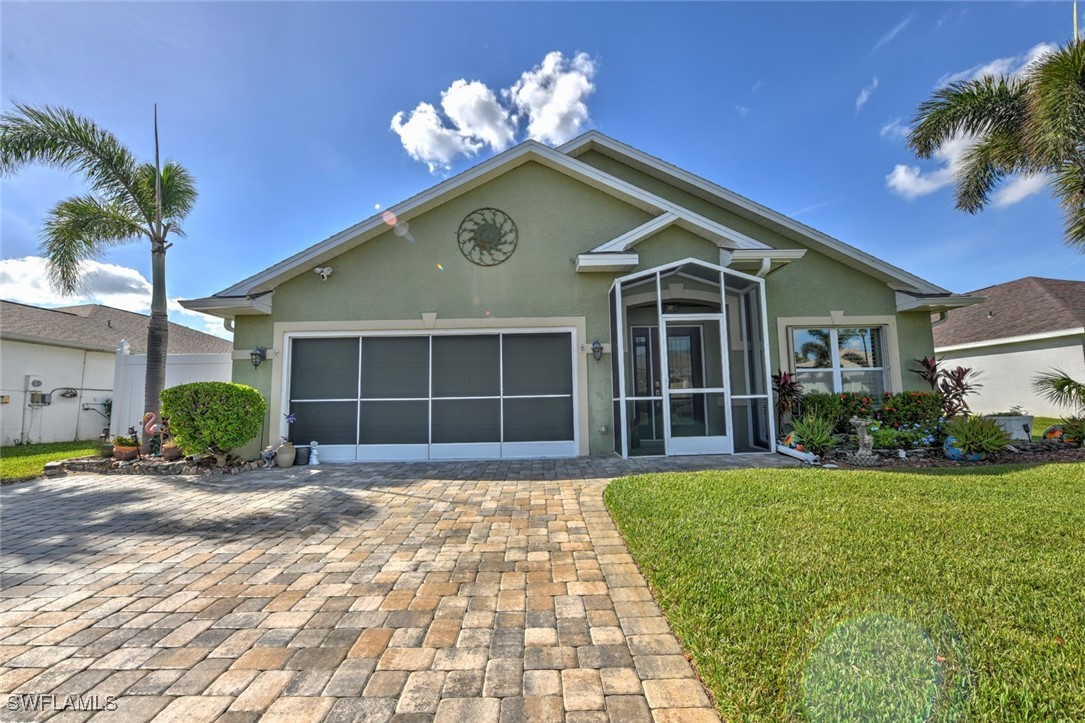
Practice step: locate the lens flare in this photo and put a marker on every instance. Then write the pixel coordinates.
(440, 267)
(377, 206)
(402, 229)
(389, 218)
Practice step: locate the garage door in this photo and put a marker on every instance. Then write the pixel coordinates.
(434, 396)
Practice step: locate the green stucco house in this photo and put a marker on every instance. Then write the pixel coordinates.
(589, 299)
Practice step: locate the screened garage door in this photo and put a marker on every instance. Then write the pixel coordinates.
(438, 396)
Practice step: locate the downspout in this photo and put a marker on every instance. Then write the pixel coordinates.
(766, 265)
(941, 317)
(228, 324)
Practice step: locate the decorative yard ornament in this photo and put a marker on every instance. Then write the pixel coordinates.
(487, 236)
(313, 459)
(268, 455)
(864, 456)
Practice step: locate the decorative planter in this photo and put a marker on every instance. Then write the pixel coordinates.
(302, 455)
(958, 455)
(125, 454)
(106, 450)
(1017, 426)
(171, 452)
(286, 455)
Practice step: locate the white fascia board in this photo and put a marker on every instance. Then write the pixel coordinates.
(587, 141)
(472, 178)
(229, 307)
(1079, 331)
(603, 262)
(634, 236)
(909, 302)
(718, 234)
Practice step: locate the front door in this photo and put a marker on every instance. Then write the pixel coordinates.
(695, 399)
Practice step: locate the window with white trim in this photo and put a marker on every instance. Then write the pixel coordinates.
(839, 359)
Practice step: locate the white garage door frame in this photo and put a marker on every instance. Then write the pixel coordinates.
(446, 451)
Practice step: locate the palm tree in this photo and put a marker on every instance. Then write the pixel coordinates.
(128, 201)
(1029, 123)
(819, 348)
(1062, 390)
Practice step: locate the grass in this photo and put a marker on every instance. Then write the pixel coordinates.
(829, 595)
(25, 461)
(1039, 424)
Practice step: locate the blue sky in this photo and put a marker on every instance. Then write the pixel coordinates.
(284, 113)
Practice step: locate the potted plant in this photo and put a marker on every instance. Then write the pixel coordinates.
(1017, 422)
(125, 449)
(287, 452)
(971, 439)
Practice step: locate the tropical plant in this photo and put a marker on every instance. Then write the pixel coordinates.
(1030, 123)
(819, 350)
(977, 435)
(213, 417)
(788, 391)
(128, 201)
(122, 441)
(928, 370)
(1061, 389)
(956, 385)
(816, 433)
(1073, 430)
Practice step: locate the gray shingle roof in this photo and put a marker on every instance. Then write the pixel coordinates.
(92, 326)
(1031, 305)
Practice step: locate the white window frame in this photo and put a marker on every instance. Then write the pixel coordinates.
(837, 368)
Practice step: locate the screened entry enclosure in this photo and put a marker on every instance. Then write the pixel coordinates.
(691, 368)
(434, 396)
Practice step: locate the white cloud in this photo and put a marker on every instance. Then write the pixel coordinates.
(25, 280)
(893, 32)
(865, 93)
(742, 110)
(474, 110)
(1019, 188)
(426, 138)
(894, 130)
(757, 86)
(1012, 66)
(912, 182)
(552, 96)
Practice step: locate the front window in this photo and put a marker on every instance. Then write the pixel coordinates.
(839, 359)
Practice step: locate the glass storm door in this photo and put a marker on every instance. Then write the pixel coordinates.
(694, 397)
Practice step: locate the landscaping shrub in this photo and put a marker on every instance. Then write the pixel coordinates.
(815, 433)
(911, 411)
(977, 435)
(1073, 431)
(907, 436)
(213, 417)
(823, 405)
(910, 408)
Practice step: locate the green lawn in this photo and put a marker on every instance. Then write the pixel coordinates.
(832, 595)
(1039, 424)
(28, 460)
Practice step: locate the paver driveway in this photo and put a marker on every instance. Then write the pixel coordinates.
(405, 592)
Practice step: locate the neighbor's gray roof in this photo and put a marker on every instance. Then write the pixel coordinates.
(1027, 306)
(97, 327)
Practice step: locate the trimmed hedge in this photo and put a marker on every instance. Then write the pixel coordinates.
(213, 417)
(905, 409)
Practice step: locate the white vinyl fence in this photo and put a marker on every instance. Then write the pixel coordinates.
(131, 370)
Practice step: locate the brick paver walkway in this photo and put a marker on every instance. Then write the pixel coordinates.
(448, 592)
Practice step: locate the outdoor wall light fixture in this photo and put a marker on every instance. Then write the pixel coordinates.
(258, 355)
(597, 350)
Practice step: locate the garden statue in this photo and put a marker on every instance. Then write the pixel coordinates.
(313, 459)
(269, 455)
(865, 456)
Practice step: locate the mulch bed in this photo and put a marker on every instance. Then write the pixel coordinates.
(1035, 452)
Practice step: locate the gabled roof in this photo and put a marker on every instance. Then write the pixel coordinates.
(1030, 307)
(458, 185)
(253, 295)
(751, 210)
(97, 328)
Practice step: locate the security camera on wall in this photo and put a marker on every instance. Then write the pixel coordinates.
(324, 272)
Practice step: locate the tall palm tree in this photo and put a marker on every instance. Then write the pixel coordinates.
(128, 201)
(1029, 123)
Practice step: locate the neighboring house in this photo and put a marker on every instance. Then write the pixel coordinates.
(522, 309)
(1022, 328)
(58, 367)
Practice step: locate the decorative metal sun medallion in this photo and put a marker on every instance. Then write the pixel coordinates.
(487, 236)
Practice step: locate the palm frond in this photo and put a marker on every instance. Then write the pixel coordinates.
(178, 192)
(1061, 389)
(974, 107)
(1069, 188)
(1056, 104)
(986, 162)
(78, 229)
(59, 138)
